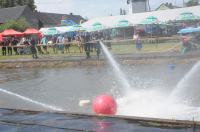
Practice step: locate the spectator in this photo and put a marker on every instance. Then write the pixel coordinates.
(98, 49)
(60, 41)
(186, 45)
(138, 42)
(79, 43)
(55, 46)
(33, 48)
(67, 41)
(14, 43)
(9, 46)
(39, 46)
(87, 44)
(44, 42)
(108, 37)
(3, 48)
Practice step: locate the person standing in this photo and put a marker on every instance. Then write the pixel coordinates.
(186, 45)
(3, 47)
(33, 43)
(55, 46)
(108, 43)
(87, 44)
(38, 46)
(9, 48)
(79, 43)
(44, 42)
(98, 49)
(67, 41)
(60, 42)
(138, 42)
(14, 43)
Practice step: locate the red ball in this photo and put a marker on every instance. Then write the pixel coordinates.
(105, 104)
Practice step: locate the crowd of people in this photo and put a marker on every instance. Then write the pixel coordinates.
(32, 44)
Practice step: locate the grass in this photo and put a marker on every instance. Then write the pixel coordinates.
(147, 48)
(119, 48)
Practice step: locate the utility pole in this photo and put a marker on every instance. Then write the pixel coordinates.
(183, 3)
(149, 7)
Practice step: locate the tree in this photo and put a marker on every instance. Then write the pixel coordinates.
(12, 3)
(4, 3)
(31, 4)
(20, 2)
(7, 3)
(192, 3)
(19, 25)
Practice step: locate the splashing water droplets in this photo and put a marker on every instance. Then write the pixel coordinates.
(118, 72)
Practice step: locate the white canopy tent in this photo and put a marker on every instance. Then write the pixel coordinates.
(60, 30)
(135, 19)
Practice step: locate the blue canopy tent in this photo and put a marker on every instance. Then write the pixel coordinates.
(189, 30)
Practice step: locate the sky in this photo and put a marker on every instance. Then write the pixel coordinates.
(91, 8)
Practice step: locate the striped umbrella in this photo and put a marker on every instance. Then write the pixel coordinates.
(123, 23)
(149, 21)
(187, 16)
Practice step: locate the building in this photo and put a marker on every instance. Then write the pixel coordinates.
(137, 6)
(37, 19)
(166, 6)
(18, 12)
(54, 19)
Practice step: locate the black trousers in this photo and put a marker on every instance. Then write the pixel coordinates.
(34, 52)
(15, 50)
(40, 50)
(9, 50)
(87, 49)
(4, 51)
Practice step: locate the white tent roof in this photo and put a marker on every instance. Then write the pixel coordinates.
(162, 15)
(60, 30)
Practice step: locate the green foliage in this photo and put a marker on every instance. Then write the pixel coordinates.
(31, 4)
(4, 3)
(20, 2)
(192, 3)
(19, 25)
(12, 3)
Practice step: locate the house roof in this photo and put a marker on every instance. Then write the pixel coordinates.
(165, 6)
(55, 19)
(47, 19)
(11, 13)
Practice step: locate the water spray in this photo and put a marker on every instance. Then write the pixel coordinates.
(50, 107)
(186, 79)
(118, 72)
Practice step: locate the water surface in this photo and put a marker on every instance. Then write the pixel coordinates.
(151, 86)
